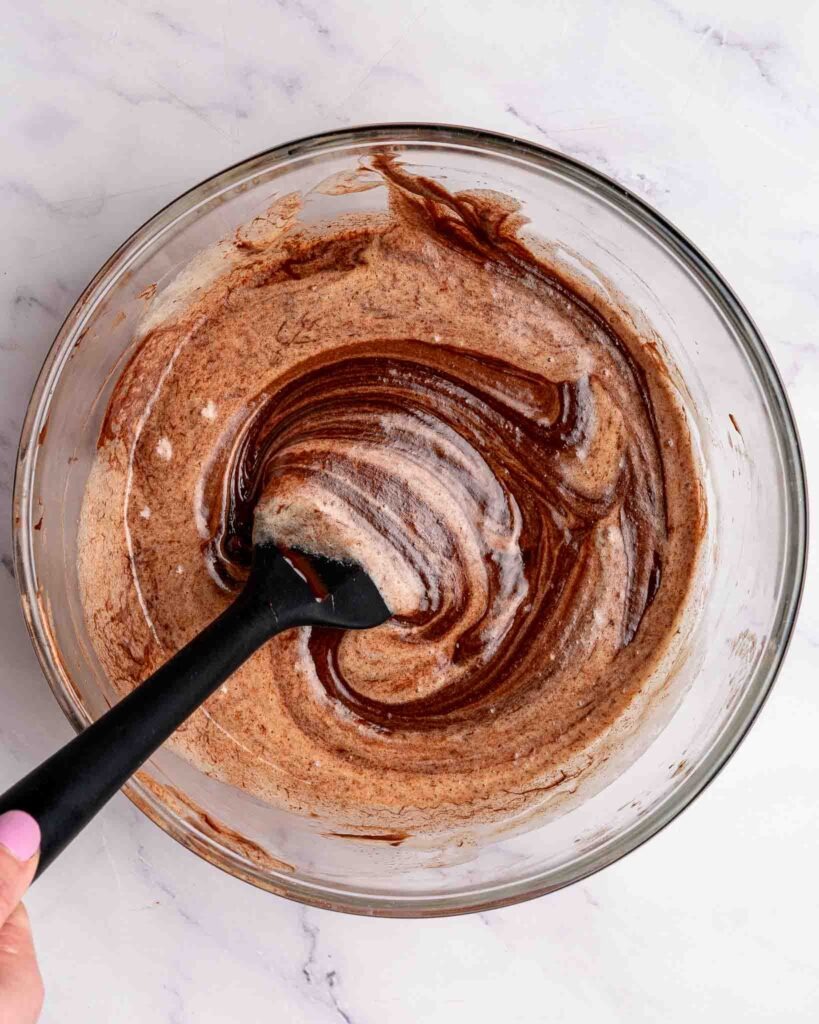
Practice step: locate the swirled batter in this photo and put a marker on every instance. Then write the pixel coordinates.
(417, 390)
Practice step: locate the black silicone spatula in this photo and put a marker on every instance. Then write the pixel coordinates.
(282, 591)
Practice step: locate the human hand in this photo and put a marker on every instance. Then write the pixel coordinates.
(21, 987)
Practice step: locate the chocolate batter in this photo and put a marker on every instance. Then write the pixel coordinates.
(419, 391)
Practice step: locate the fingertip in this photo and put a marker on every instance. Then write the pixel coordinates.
(19, 834)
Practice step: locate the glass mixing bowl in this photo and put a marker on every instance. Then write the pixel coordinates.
(752, 570)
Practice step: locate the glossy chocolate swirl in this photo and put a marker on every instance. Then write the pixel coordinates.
(511, 465)
(363, 428)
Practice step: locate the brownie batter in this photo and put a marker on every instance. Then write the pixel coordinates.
(419, 391)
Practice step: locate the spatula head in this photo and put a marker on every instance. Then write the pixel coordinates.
(313, 590)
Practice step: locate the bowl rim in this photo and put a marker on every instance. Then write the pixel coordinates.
(756, 690)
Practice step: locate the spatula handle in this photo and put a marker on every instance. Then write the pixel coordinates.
(65, 792)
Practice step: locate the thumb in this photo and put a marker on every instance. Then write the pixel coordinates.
(19, 842)
(21, 986)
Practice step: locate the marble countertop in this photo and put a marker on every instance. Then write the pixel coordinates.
(711, 113)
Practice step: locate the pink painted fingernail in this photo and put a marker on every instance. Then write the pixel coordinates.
(20, 834)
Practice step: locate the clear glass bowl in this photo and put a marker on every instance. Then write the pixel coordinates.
(753, 568)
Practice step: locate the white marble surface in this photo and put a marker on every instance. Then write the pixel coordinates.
(708, 110)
